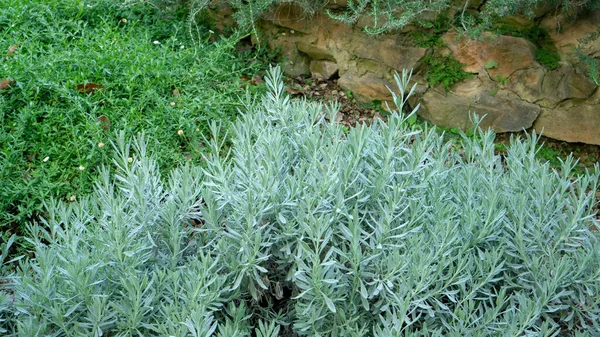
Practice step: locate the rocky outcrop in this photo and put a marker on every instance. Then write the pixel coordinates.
(548, 88)
(501, 111)
(506, 52)
(323, 69)
(508, 84)
(572, 121)
(567, 36)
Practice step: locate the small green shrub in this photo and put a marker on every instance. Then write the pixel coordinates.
(548, 58)
(380, 231)
(444, 70)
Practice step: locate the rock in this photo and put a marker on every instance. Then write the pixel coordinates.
(503, 111)
(323, 69)
(565, 35)
(548, 88)
(367, 87)
(294, 62)
(565, 83)
(511, 53)
(527, 83)
(512, 93)
(517, 21)
(317, 50)
(572, 121)
(388, 52)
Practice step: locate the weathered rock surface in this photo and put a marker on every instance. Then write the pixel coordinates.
(572, 121)
(323, 69)
(566, 35)
(514, 94)
(565, 83)
(503, 113)
(367, 87)
(527, 83)
(548, 88)
(511, 53)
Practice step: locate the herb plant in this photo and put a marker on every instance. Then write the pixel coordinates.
(303, 229)
(444, 70)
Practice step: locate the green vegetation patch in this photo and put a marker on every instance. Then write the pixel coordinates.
(444, 70)
(83, 69)
(305, 229)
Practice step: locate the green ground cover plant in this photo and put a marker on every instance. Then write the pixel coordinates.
(133, 67)
(300, 228)
(444, 70)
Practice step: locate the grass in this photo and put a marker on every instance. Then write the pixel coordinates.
(156, 75)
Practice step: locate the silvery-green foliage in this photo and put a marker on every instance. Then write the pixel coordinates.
(389, 14)
(5, 298)
(386, 230)
(300, 226)
(121, 261)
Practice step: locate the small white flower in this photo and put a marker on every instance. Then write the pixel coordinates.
(81, 167)
(46, 159)
(156, 42)
(72, 198)
(172, 104)
(129, 160)
(182, 47)
(180, 132)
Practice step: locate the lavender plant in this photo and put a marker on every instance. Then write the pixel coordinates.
(301, 228)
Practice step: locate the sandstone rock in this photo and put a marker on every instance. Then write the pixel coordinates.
(564, 83)
(511, 53)
(572, 121)
(323, 69)
(367, 87)
(503, 111)
(527, 83)
(565, 35)
(294, 63)
(366, 64)
(548, 88)
(317, 50)
(388, 52)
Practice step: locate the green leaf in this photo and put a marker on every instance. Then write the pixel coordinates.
(329, 303)
(491, 65)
